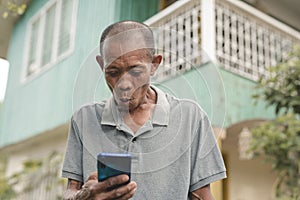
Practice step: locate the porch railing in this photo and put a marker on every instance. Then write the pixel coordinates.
(177, 30)
(248, 41)
(240, 38)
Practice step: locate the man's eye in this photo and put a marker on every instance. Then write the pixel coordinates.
(112, 73)
(135, 72)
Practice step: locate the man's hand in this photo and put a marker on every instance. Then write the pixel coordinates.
(93, 189)
(99, 190)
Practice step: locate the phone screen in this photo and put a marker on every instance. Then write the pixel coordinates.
(113, 164)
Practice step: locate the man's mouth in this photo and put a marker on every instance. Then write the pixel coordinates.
(124, 99)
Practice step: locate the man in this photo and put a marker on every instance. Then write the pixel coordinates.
(171, 140)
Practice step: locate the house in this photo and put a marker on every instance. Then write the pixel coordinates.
(214, 52)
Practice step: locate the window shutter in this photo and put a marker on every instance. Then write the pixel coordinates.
(32, 65)
(65, 26)
(48, 35)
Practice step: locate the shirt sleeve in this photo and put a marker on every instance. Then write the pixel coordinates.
(72, 166)
(207, 164)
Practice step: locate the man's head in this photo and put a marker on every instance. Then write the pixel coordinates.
(128, 61)
(129, 30)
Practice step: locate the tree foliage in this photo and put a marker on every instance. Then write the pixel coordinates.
(279, 139)
(281, 86)
(10, 7)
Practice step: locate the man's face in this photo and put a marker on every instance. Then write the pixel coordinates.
(128, 75)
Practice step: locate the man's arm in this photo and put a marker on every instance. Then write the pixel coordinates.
(203, 193)
(72, 189)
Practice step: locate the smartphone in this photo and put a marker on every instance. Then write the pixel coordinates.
(113, 164)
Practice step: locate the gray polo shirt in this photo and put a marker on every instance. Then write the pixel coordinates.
(174, 152)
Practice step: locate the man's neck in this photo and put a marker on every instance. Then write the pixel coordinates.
(136, 118)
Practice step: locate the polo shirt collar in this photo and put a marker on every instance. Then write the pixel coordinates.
(110, 115)
(162, 108)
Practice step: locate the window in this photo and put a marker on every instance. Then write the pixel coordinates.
(50, 35)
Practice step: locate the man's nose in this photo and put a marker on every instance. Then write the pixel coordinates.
(124, 83)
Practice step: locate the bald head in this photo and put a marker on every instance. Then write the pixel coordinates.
(134, 32)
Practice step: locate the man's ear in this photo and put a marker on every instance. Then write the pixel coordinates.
(155, 63)
(100, 61)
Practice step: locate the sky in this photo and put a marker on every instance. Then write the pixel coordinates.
(3, 77)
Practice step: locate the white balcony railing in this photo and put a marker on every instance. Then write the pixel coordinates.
(178, 30)
(248, 41)
(242, 39)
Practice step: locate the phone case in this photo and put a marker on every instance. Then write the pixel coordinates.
(113, 164)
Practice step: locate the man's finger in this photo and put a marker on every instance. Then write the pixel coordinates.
(108, 183)
(123, 192)
(128, 195)
(93, 176)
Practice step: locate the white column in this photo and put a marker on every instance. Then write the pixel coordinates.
(208, 32)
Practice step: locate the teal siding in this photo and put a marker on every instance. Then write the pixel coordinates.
(225, 97)
(203, 85)
(128, 9)
(239, 102)
(48, 100)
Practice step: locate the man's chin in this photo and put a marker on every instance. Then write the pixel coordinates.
(123, 109)
(123, 106)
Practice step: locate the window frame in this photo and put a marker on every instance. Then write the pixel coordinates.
(55, 58)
